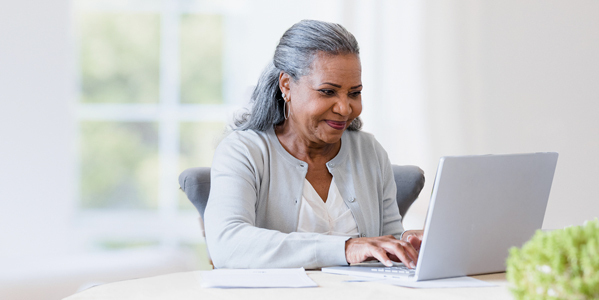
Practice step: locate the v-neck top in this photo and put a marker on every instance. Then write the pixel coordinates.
(332, 217)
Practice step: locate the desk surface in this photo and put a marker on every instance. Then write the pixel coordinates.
(185, 285)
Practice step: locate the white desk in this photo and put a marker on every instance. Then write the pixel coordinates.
(183, 286)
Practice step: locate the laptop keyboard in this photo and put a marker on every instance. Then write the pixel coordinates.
(395, 270)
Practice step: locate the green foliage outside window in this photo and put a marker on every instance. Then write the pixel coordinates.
(120, 165)
(116, 244)
(119, 57)
(201, 59)
(561, 264)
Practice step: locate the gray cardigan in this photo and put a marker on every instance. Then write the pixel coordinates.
(256, 185)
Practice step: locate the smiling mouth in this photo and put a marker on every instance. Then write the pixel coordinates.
(336, 124)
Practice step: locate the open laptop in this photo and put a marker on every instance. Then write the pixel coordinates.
(480, 207)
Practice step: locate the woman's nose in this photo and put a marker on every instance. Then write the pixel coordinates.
(342, 106)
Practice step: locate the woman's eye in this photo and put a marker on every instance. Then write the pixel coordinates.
(327, 92)
(355, 94)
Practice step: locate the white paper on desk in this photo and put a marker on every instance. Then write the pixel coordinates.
(256, 278)
(455, 282)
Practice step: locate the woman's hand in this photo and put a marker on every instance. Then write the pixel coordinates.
(413, 237)
(384, 248)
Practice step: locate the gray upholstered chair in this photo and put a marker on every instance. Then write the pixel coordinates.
(195, 182)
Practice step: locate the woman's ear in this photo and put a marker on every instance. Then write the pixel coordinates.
(284, 83)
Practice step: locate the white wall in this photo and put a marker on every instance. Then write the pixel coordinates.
(518, 76)
(36, 130)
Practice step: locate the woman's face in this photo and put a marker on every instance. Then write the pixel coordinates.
(324, 102)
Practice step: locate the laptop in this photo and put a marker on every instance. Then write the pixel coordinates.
(481, 206)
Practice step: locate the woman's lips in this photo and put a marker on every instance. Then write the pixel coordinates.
(336, 124)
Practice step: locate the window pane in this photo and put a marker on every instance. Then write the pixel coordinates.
(119, 57)
(201, 59)
(119, 165)
(116, 244)
(198, 142)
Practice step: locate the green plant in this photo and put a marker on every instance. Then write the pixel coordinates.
(560, 264)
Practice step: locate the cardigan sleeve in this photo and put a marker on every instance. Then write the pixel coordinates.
(232, 237)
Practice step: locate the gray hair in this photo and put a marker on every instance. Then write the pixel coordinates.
(294, 55)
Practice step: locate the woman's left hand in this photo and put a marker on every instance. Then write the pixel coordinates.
(413, 237)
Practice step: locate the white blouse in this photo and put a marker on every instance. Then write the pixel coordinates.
(332, 217)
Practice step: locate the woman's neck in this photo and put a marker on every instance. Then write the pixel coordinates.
(304, 148)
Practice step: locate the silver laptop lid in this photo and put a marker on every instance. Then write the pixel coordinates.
(480, 207)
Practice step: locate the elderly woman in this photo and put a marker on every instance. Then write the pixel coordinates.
(297, 184)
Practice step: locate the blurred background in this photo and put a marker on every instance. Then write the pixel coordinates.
(104, 103)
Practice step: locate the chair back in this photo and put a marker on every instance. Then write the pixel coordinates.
(195, 182)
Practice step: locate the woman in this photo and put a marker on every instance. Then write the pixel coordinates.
(298, 184)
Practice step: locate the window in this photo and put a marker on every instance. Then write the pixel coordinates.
(151, 104)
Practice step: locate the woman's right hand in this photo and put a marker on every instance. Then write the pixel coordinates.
(384, 248)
